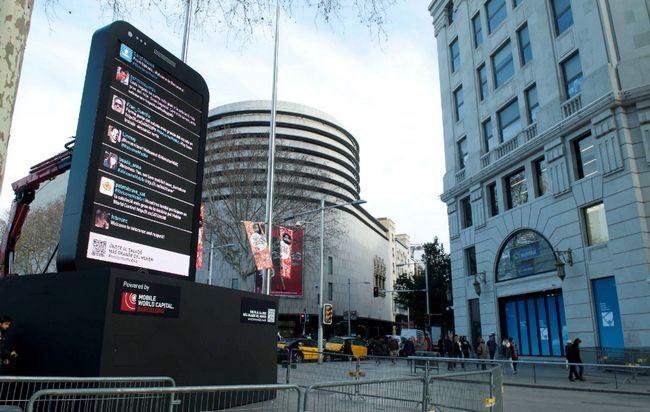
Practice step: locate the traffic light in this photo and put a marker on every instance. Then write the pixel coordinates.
(328, 314)
(375, 291)
(303, 317)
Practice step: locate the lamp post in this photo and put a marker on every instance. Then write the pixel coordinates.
(186, 30)
(350, 302)
(321, 209)
(212, 248)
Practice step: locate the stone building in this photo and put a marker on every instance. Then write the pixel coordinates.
(356, 259)
(546, 112)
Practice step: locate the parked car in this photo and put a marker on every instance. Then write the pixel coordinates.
(359, 346)
(301, 349)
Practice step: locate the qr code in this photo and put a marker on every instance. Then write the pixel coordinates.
(99, 248)
(270, 316)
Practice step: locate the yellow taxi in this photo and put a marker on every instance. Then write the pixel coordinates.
(359, 347)
(301, 349)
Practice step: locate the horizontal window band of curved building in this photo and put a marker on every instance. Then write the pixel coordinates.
(281, 149)
(352, 155)
(209, 164)
(288, 113)
(315, 187)
(261, 174)
(358, 212)
(240, 134)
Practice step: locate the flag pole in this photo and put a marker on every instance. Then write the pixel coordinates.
(271, 163)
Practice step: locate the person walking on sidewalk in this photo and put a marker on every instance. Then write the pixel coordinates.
(492, 345)
(481, 352)
(7, 356)
(394, 347)
(511, 353)
(573, 357)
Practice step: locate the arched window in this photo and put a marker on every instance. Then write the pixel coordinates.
(526, 253)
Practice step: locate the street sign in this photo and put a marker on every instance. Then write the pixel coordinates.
(134, 192)
(354, 315)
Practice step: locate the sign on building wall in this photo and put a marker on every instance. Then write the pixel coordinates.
(135, 183)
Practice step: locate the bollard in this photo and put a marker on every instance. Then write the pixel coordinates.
(534, 374)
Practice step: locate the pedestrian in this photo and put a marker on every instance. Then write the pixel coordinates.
(409, 347)
(448, 350)
(457, 350)
(394, 347)
(573, 357)
(427, 340)
(492, 345)
(481, 352)
(7, 356)
(511, 352)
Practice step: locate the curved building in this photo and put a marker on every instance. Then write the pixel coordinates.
(316, 158)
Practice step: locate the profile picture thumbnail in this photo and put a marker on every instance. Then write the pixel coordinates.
(118, 104)
(122, 75)
(111, 160)
(106, 186)
(114, 134)
(126, 52)
(102, 219)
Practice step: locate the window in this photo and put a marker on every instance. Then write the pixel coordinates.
(532, 104)
(525, 253)
(330, 265)
(525, 50)
(481, 72)
(493, 200)
(330, 291)
(596, 224)
(234, 283)
(502, 65)
(496, 13)
(466, 212)
(478, 30)
(516, 190)
(541, 177)
(470, 261)
(462, 153)
(451, 12)
(585, 157)
(454, 51)
(458, 103)
(562, 14)
(509, 123)
(488, 135)
(572, 71)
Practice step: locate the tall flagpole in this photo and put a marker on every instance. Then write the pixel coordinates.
(270, 169)
(186, 31)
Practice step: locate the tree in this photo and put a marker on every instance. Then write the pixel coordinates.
(439, 267)
(235, 190)
(15, 16)
(39, 237)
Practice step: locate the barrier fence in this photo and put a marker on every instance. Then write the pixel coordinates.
(16, 390)
(175, 399)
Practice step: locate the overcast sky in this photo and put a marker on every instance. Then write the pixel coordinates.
(385, 93)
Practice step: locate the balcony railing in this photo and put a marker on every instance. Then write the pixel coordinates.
(460, 175)
(523, 137)
(571, 106)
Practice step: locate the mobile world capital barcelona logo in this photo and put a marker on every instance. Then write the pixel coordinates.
(129, 300)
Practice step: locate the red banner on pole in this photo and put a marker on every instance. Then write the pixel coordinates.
(199, 243)
(287, 263)
(259, 247)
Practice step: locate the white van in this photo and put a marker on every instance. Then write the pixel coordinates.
(417, 335)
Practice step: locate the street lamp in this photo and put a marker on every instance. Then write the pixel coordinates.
(478, 279)
(321, 209)
(213, 247)
(562, 257)
(350, 302)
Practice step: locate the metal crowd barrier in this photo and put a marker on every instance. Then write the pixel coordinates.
(16, 390)
(404, 394)
(466, 391)
(278, 398)
(553, 374)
